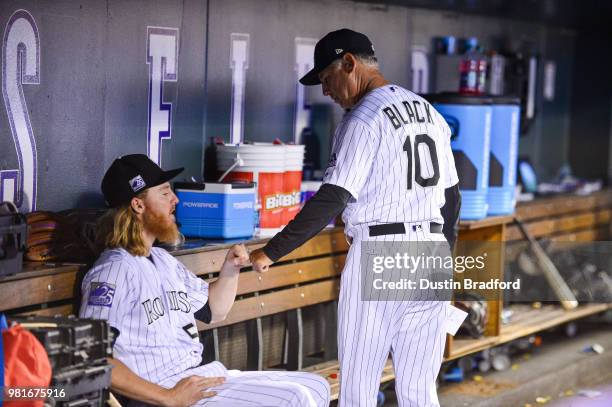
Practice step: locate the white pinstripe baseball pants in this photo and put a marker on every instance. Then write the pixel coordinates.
(260, 388)
(413, 332)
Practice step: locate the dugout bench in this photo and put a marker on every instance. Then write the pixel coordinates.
(308, 279)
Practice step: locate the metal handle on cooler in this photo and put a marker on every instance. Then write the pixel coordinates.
(237, 161)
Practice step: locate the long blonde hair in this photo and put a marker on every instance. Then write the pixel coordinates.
(121, 228)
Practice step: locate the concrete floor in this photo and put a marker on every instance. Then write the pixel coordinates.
(553, 375)
(604, 399)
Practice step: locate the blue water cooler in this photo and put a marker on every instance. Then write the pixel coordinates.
(216, 210)
(504, 150)
(469, 118)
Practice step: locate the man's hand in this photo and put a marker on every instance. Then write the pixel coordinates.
(190, 390)
(222, 291)
(260, 261)
(237, 256)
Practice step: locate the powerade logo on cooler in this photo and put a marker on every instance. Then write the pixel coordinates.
(282, 200)
(215, 205)
(243, 205)
(201, 205)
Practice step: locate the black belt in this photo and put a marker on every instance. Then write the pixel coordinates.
(400, 228)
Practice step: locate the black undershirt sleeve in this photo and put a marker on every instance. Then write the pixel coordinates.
(204, 314)
(329, 201)
(450, 213)
(113, 336)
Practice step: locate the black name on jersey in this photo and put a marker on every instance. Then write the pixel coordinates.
(154, 308)
(414, 112)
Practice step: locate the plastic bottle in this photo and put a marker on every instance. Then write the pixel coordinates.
(473, 69)
(481, 82)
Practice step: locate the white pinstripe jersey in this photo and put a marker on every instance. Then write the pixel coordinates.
(392, 153)
(152, 305)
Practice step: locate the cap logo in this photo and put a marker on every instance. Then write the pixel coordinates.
(339, 50)
(137, 183)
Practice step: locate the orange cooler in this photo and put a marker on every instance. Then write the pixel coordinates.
(292, 182)
(263, 164)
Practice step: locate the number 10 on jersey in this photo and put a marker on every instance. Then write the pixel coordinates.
(420, 162)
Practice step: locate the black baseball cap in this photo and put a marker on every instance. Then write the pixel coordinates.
(130, 175)
(333, 46)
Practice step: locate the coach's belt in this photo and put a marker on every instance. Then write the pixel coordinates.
(400, 228)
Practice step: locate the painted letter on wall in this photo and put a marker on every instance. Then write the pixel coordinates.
(239, 63)
(420, 70)
(20, 65)
(304, 62)
(162, 58)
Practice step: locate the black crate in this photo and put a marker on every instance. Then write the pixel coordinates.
(73, 342)
(98, 398)
(95, 399)
(83, 386)
(13, 236)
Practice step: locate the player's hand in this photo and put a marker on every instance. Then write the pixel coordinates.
(190, 390)
(237, 256)
(260, 261)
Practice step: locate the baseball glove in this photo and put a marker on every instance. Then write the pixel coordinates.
(67, 236)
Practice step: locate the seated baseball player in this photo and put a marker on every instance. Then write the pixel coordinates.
(151, 302)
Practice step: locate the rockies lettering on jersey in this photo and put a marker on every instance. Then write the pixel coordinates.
(154, 309)
(179, 301)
